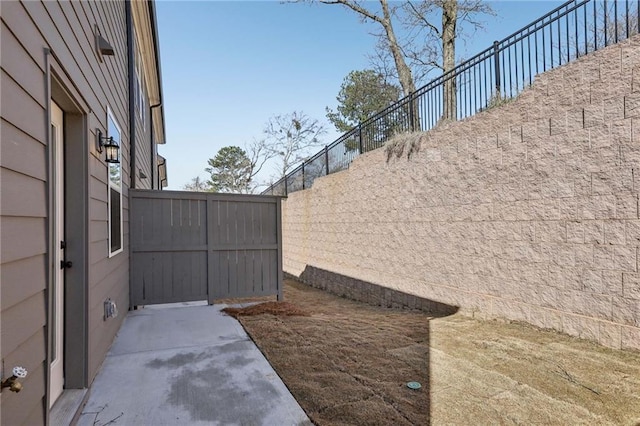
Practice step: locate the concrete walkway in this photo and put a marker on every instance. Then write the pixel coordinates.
(187, 364)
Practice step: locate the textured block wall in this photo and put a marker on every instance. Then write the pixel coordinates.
(528, 211)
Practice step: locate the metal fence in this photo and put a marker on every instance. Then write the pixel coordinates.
(493, 76)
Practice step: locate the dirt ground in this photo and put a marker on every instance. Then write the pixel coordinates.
(349, 363)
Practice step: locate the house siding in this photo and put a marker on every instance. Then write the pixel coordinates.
(67, 29)
(22, 224)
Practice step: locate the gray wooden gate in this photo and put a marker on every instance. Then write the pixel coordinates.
(188, 246)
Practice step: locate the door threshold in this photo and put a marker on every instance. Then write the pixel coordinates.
(68, 406)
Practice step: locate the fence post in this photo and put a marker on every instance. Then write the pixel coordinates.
(360, 137)
(326, 159)
(286, 189)
(496, 62)
(604, 23)
(303, 175)
(412, 113)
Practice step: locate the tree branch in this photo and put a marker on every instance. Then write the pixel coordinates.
(356, 8)
(422, 18)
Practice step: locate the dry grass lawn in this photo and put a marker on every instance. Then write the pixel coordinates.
(348, 363)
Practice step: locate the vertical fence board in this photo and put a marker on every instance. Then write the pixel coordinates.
(213, 264)
(188, 246)
(277, 288)
(224, 273)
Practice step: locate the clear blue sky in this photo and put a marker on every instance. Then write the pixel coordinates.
(228, 66)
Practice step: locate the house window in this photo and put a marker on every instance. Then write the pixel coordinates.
(115, 190)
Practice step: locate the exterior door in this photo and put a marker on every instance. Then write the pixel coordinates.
(57, 290)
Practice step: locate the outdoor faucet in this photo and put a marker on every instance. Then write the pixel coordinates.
(12, 382)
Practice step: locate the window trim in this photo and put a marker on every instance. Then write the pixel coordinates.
(111, 186)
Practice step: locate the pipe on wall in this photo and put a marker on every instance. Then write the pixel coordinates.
(132, 107)
(153, 151)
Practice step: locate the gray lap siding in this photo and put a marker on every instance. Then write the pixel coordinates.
(67, 29)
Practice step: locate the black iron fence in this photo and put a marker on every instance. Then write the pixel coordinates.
(490, 78)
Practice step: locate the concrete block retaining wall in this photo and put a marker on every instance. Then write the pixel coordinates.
(528, 211)
(372, 294)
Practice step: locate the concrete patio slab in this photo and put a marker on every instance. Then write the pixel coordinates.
(187, 364)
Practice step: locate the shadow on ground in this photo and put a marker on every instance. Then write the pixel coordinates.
(348, 363)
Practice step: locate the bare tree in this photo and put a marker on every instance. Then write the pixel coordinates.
(258, 153)
(427, 45)
(393, 46)
(419, 19)
(197, 184)
(289, 137)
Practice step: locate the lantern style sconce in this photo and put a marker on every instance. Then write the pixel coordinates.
(110, 146)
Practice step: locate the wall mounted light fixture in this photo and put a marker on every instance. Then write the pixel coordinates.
(110, 146)
(103, 47)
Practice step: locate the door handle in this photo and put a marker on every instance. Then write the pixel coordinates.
(65, 264)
